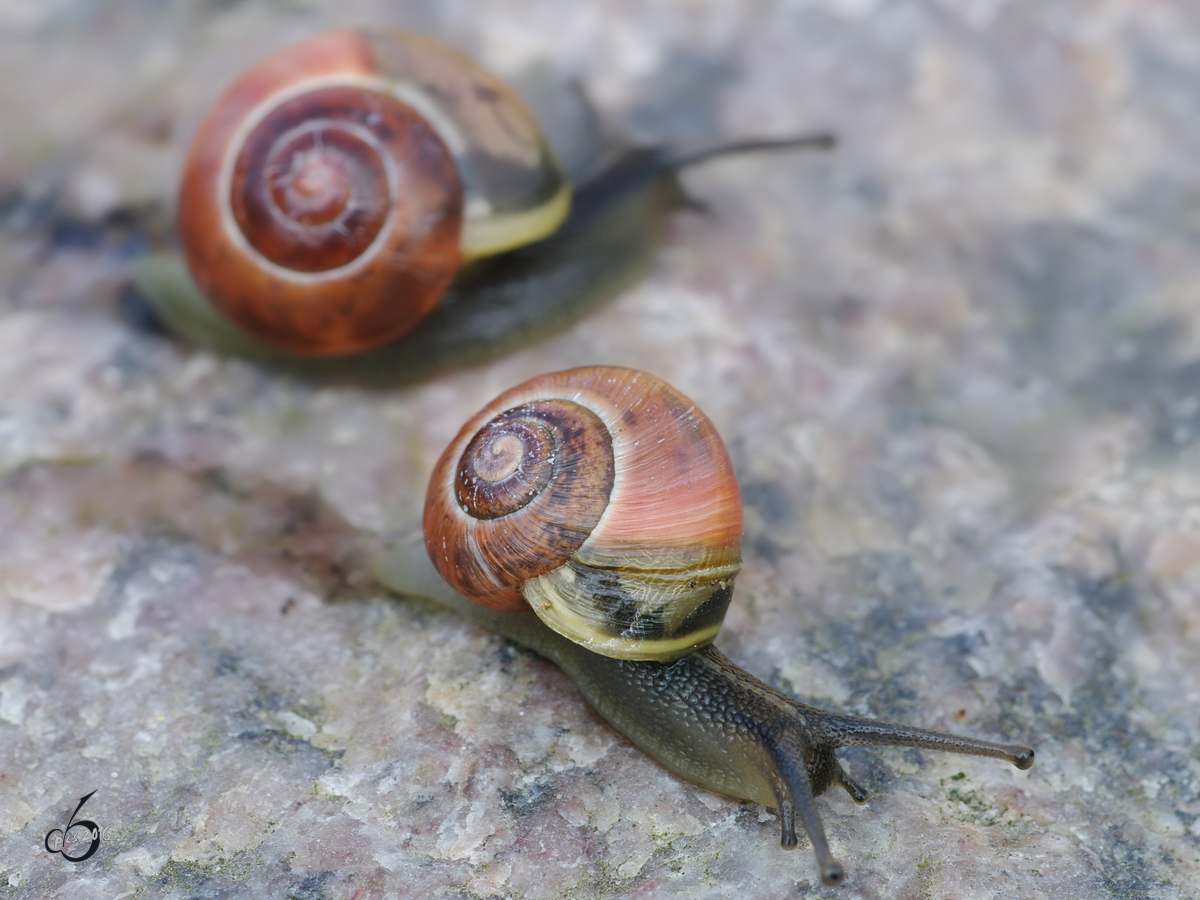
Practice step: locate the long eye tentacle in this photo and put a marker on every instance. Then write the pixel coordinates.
(849, 731)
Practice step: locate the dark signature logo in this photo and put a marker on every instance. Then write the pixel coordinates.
(59, 840)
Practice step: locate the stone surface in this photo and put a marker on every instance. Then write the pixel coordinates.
(957, 364)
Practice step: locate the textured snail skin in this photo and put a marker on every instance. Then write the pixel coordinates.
(703, 718)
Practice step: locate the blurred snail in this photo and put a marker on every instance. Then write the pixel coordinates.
(338, 190)
(604, 499)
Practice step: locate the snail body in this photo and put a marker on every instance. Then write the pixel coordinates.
(699, 715)
(293, 256)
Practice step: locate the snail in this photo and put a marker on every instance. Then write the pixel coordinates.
(351, 185)
(633, 539)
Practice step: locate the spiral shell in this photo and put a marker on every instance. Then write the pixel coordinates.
(331, 196)
(604, 499)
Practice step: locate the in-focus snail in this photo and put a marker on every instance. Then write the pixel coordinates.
(333, 194)
(535, 452)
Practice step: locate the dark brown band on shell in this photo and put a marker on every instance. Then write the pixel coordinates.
(548, 471)
(313, 196)
(506, 465)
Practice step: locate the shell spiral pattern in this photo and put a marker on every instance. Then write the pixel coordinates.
(604, 499)
(330, 197)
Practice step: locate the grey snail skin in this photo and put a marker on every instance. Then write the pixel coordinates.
(375, 203)
(593, 516)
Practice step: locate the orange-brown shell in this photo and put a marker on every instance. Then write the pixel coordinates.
(330, 196)
(628, 543)
(350, 268)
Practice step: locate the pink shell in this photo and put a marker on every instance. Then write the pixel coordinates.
(674, 502)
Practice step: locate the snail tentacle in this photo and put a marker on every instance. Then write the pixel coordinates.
(790, 752)
(849, 731)
(682, 159)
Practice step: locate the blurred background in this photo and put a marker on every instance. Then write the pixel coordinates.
(956, 362)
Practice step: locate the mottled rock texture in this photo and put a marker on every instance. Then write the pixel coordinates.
(957, 364)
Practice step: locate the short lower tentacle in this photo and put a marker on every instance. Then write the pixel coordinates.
(856, 791)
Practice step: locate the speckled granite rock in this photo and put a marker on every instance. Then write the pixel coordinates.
(957, 364)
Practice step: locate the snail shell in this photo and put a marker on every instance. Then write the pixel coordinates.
(604, 499)
(331, 196)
